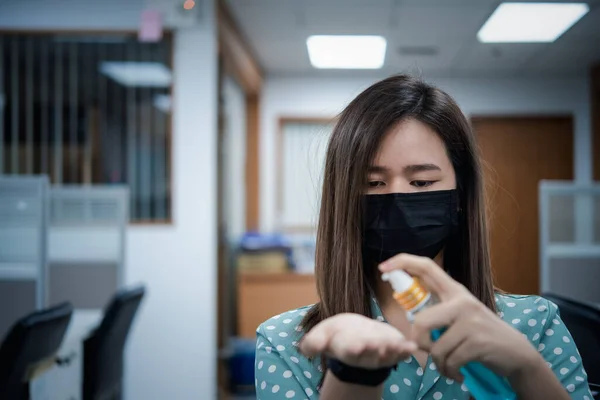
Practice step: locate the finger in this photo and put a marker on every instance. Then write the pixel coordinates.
(445, 346)
(401, 350)
(428, 272)
(391, 352)
(439, 316)
(464, 353)
(317, 340)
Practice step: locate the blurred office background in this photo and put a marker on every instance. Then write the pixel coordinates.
(179, 145)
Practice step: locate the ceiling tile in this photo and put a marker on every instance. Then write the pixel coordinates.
(497, 57)
(443, 58)
(274, 21)
(435, 24)
(567, 56)
(446, 3)
(352, 18)
(281, 55)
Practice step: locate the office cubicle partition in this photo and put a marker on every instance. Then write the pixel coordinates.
(86, 244)
(570, 240)
(23, 222)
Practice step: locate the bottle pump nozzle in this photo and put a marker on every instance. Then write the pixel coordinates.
(400, 280)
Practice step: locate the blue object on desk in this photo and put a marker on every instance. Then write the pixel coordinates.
(482, 383)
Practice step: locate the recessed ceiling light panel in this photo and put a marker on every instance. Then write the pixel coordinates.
(530, 22)
(346, 52)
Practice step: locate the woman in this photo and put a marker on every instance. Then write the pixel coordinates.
(403, 190)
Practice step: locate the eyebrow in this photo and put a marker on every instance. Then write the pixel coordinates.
(421, 168)
(413, 168)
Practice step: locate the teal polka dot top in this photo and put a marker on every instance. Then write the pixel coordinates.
(283, 373)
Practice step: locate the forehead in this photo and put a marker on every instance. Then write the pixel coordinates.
(411, 142)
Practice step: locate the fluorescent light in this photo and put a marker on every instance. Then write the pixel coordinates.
(137, 74)
(346, 52)
(530, 22)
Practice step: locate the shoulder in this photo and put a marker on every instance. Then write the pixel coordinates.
(285, 328)
(528, 314)
(523, 303)
(523, 307)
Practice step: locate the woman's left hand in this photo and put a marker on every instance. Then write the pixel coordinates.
(473, 331)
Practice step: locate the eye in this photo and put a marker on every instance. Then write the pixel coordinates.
(376, 184)
(422, 184)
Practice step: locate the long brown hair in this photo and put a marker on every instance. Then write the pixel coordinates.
(342, 282)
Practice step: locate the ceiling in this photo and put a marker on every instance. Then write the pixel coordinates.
(443, 29)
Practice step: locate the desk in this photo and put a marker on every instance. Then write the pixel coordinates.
(64, 382)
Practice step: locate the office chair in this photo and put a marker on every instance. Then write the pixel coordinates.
(595, 389)
(583, 321)
(30, 347)
(103, 349)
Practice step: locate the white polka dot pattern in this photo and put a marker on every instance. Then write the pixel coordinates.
(283, 373)
(558, 351)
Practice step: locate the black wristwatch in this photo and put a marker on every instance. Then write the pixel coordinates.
(358, 376)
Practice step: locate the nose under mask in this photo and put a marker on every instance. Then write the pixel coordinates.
(413, 223)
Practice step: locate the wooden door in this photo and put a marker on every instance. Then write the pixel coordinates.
(517, 154)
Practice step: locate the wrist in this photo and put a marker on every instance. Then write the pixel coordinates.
(356, 375)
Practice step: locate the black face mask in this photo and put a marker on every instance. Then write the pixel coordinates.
(414, 223)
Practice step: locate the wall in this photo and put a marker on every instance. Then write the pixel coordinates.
(171, 352)
(314, 97)
(234, 146)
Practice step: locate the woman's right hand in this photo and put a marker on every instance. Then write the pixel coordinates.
(357, 341)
